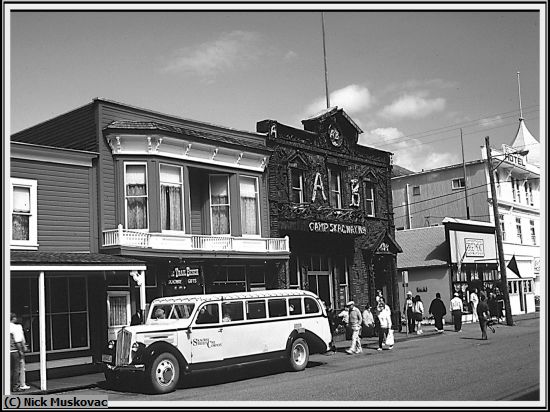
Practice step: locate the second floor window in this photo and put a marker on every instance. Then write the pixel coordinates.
(416, 190)
(501, 218)
(296, 185)
(171, 197)
(458, 183)
(533, 234)
(250, 211)
(136, 196)
(335, 191)
(219, 204)
(24, 213)
(369, 199)
(518, 230)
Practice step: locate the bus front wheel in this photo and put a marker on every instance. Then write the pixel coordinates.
(164, 373)
(299, 355)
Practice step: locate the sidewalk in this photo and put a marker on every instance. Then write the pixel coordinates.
(56, 385)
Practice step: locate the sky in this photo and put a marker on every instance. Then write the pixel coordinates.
(411, 79)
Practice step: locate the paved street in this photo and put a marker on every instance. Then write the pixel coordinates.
(433, 367)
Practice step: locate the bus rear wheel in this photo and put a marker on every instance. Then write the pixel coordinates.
(299, 355)
(164, 373)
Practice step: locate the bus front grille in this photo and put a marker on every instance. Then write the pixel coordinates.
(124, 339)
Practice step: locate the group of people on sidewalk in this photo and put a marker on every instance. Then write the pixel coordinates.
(377, 321)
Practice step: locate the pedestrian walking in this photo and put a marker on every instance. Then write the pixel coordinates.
(379, 295)
(456, 310)
(384, 317)
(493, 305)
(408, 310)
(438, 311)
(355, 320)
(474, 300)
(367, 329)
(483, 315)
(333, 323)
(418, 314)
(17, 355)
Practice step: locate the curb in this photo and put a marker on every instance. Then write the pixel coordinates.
(57, 390)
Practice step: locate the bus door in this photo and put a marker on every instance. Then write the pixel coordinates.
(207, 335)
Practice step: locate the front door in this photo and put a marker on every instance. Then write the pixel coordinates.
(319, 283)
(206, 335)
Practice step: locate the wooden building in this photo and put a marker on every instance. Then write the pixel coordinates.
(332, 198)
(187, 198)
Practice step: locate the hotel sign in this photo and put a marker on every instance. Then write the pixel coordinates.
(323, 227)
(474, 247)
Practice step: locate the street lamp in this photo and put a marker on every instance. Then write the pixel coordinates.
(502, 262)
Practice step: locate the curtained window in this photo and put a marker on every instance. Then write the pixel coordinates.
(219, 204)
(171, 197)
(136, 196)
(335, 192)
(24, 230)
(250, 213)
(119, 308)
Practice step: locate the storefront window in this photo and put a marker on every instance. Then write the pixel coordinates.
(250, 210)
(171, 197)
(219, 204)
(136, 196)
(294, 275)
(67, 324)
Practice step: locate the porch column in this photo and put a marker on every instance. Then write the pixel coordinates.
(142, 296)
(42, 328)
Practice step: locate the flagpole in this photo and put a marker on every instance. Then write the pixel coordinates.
(325, 59)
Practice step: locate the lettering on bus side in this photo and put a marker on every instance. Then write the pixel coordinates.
(209, 343)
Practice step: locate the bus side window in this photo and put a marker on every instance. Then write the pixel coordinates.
(255, 309)
(208, 314)
(311, 305)
(277, 307)
(232, 311)
(295, 306)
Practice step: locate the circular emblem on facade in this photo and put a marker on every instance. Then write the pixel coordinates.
(335, 136)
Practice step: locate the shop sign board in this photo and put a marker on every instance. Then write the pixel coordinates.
(183, 276)
(324, 227)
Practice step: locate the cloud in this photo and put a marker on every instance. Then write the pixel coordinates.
(352, 99)
(414, 106)
(236, 49)
(291, 54)
(491, 121)
(409, 153)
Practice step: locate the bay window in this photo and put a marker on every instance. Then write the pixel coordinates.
(171, 197)
(250, 210)
(135, 177)
(219, 204)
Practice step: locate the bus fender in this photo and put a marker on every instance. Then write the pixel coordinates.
(315, 343)
(147, 354)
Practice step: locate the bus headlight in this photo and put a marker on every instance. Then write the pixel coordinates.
(111, 344)
(136, 346)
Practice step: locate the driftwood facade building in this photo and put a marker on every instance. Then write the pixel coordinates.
(332, 198)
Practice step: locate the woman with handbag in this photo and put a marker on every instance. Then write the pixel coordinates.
(418, 314)
(384, 317)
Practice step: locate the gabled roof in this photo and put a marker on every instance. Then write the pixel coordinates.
(331, 111)
(422, 247)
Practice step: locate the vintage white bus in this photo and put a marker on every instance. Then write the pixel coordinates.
(183, 334)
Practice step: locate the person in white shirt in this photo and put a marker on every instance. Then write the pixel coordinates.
(456, 310)
(17, 355)
(368, 322)
(384, 316)
(474, 300)
(408, 310)
(418, 313)
(355, 320)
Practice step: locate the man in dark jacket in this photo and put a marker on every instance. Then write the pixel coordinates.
(438, 310)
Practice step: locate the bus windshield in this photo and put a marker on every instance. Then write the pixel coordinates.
(172, 311)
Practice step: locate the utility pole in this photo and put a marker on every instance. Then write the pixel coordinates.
(465, 181)
(502, 262)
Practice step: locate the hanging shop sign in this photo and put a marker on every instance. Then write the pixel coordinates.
(183, 276)
(474, 247)
(323, 227)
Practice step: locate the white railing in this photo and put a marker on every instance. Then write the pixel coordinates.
(135, 238)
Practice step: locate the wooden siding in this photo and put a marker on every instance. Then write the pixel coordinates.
(63, 205)
(437, 199)
(72, 130)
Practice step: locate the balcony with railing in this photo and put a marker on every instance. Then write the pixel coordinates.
(187, 242)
